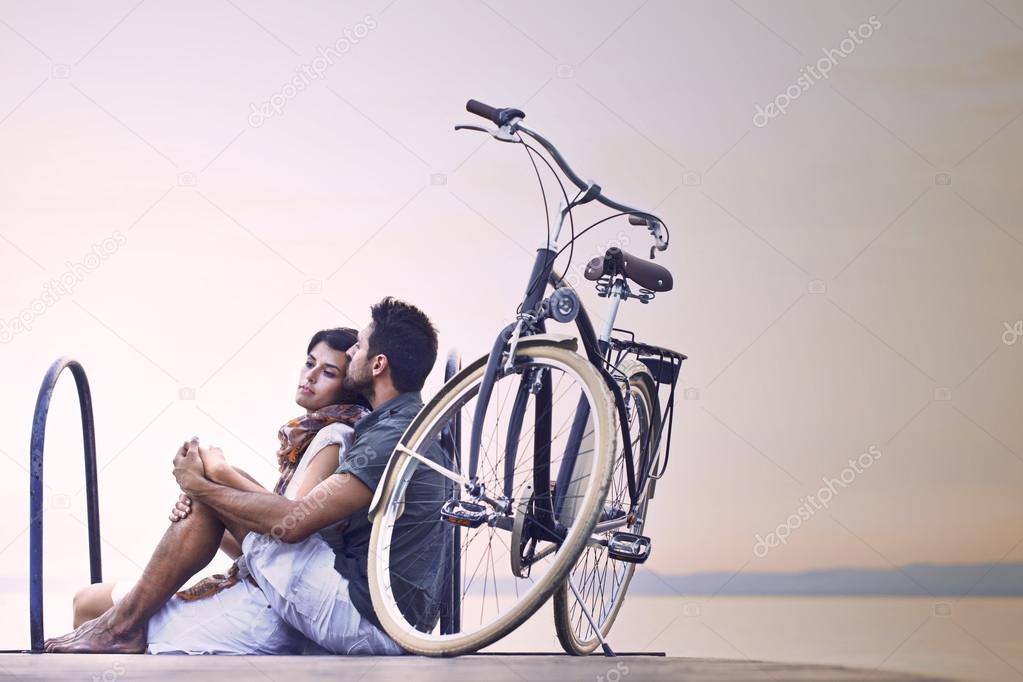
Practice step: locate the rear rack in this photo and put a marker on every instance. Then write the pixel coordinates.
(665, 366)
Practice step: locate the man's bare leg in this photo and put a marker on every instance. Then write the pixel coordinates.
(185, 549)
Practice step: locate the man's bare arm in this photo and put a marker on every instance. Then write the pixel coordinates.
(337, 497)
(238, 479)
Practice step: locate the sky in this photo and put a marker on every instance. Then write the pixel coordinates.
(189, 190)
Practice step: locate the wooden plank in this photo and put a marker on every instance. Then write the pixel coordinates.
(495, 668)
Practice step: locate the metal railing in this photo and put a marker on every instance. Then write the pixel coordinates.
(35, 586)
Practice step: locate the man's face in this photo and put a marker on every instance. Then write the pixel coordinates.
(360, 367)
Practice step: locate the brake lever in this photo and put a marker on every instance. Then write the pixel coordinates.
(656, 228)
(503, 134)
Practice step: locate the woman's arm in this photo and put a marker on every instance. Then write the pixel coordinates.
(233, 477)
(323, 464)
(219, 471)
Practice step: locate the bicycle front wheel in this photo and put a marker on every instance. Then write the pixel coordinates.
(549, 423)
(600, 580)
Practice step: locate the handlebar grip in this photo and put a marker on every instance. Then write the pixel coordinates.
(636, 220)
(498, 117)
(484, 110)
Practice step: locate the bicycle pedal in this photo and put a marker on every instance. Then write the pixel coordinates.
(629, 547)
(461, 513)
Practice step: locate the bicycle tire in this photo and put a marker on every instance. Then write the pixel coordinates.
(574, 632)
(541, 352)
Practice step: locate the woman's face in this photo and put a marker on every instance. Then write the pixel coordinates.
(319, 382)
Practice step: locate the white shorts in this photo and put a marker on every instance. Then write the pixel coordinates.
(238, 620)
(300, 583)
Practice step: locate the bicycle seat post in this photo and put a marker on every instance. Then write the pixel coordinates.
(617, 294)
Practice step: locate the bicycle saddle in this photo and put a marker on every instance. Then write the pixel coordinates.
(646, 274)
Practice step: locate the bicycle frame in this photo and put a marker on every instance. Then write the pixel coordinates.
(529, 321)
(547, 508)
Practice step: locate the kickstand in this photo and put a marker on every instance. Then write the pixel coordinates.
(603, 642)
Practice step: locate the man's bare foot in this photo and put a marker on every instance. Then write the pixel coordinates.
(96, 637)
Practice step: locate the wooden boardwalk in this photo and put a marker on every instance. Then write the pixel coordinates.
(486, 668)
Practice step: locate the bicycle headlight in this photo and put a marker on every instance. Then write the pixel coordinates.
(564, 305)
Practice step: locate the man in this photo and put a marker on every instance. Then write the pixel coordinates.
(317, 584)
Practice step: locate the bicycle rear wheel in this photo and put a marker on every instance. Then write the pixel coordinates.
(601, 581)
(504, 568)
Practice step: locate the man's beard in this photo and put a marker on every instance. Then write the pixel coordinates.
(359, 386)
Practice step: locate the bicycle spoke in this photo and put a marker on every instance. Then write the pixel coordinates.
(599, 580)
(488, 588)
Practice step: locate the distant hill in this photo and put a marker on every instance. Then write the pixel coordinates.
(939, 580)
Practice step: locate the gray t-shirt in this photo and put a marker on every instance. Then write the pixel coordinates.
(417, 542)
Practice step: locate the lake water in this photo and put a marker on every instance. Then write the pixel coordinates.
(968, 639)
(971, 639)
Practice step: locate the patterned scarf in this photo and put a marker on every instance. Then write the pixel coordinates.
(295, 437)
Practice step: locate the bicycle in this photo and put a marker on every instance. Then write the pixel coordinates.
(558, 509)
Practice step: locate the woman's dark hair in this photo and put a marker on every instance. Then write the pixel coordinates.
(406, 336)
(340, 339)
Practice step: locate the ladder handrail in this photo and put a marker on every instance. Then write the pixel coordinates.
(35, 587)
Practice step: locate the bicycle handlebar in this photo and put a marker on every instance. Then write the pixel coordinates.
(499, 117)
(511, 117)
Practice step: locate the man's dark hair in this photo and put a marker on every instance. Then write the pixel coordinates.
(406, 336)
(339, 338)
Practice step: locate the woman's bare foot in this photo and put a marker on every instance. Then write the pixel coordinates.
(97, 637)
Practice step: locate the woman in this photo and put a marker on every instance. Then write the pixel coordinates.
(311, 448)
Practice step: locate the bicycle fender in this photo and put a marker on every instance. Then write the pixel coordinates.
(561, 340)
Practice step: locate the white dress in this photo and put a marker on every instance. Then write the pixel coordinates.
(239, 619)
